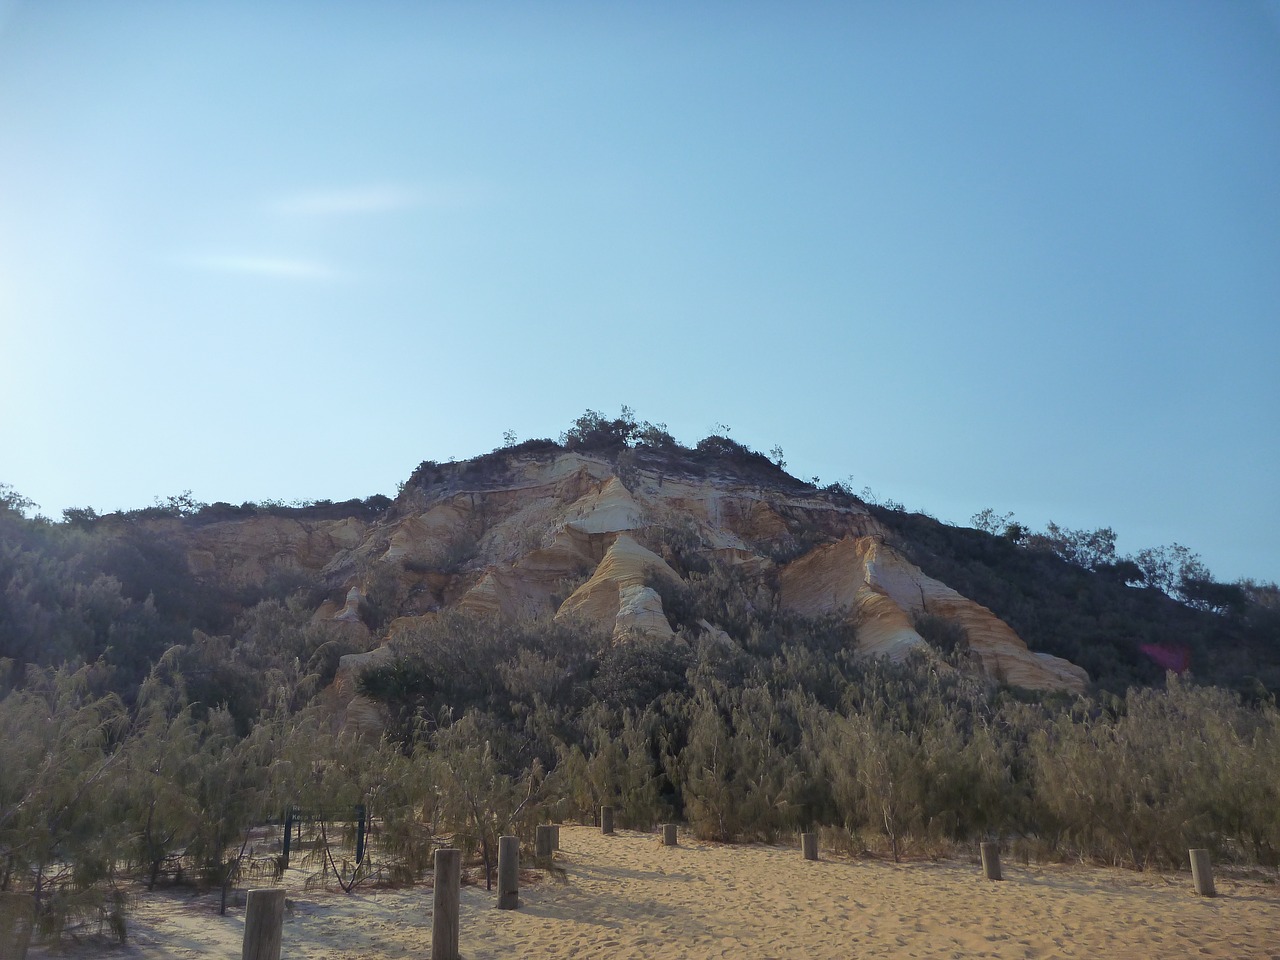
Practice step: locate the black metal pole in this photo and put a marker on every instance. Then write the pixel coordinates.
(288, 833)
(359, 833)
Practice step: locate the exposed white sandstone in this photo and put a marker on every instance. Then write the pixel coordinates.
(568, 536)
(640, 613)
(883, 594)
(626, 566)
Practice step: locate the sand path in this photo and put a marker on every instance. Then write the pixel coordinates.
(627, 896)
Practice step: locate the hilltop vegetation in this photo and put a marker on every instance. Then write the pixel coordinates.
(1099, 611)
(152, 717)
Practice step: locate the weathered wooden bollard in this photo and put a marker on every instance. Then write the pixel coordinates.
(669, 835)
(360, 828)
(263, 923)
(288, 833)
(809, 844)
(445, 907)
(555, 836)
(606, 820)
(508, 873)
(991, 860)
(1202, 873)
(544, 841)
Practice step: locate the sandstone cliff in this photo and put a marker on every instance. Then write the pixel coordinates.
(569, 535)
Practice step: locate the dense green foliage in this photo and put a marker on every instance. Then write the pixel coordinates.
(909, 758)
(70, 595)
(153, 721)
(1065, 593)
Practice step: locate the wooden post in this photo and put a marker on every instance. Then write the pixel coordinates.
(668, 834)
(360, 816)
(606, 820)
(809, 844)
(263, 920)
(555, 836)
(288, 834)
(991, 860)
(508, 873)
(543, 837)
(1202, 872)
(444, 913)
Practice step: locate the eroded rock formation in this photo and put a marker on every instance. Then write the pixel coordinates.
(884, 594)
(567, 535)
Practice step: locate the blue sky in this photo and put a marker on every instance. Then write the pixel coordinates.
(1015, 255)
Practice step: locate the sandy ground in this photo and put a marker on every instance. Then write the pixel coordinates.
(627, 896)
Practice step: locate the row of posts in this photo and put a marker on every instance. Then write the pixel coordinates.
(264, 909)
(1201, 867)
(606, 827)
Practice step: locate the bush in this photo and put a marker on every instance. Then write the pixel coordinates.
(594, 433)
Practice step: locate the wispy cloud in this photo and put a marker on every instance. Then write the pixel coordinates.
(382, 198)
(284, 268)
(352, 201)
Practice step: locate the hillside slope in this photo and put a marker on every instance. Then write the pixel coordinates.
(591, 537)
(617, 529)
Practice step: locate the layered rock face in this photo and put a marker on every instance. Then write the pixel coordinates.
(883, 594)
(574, 536)
(251, 550)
